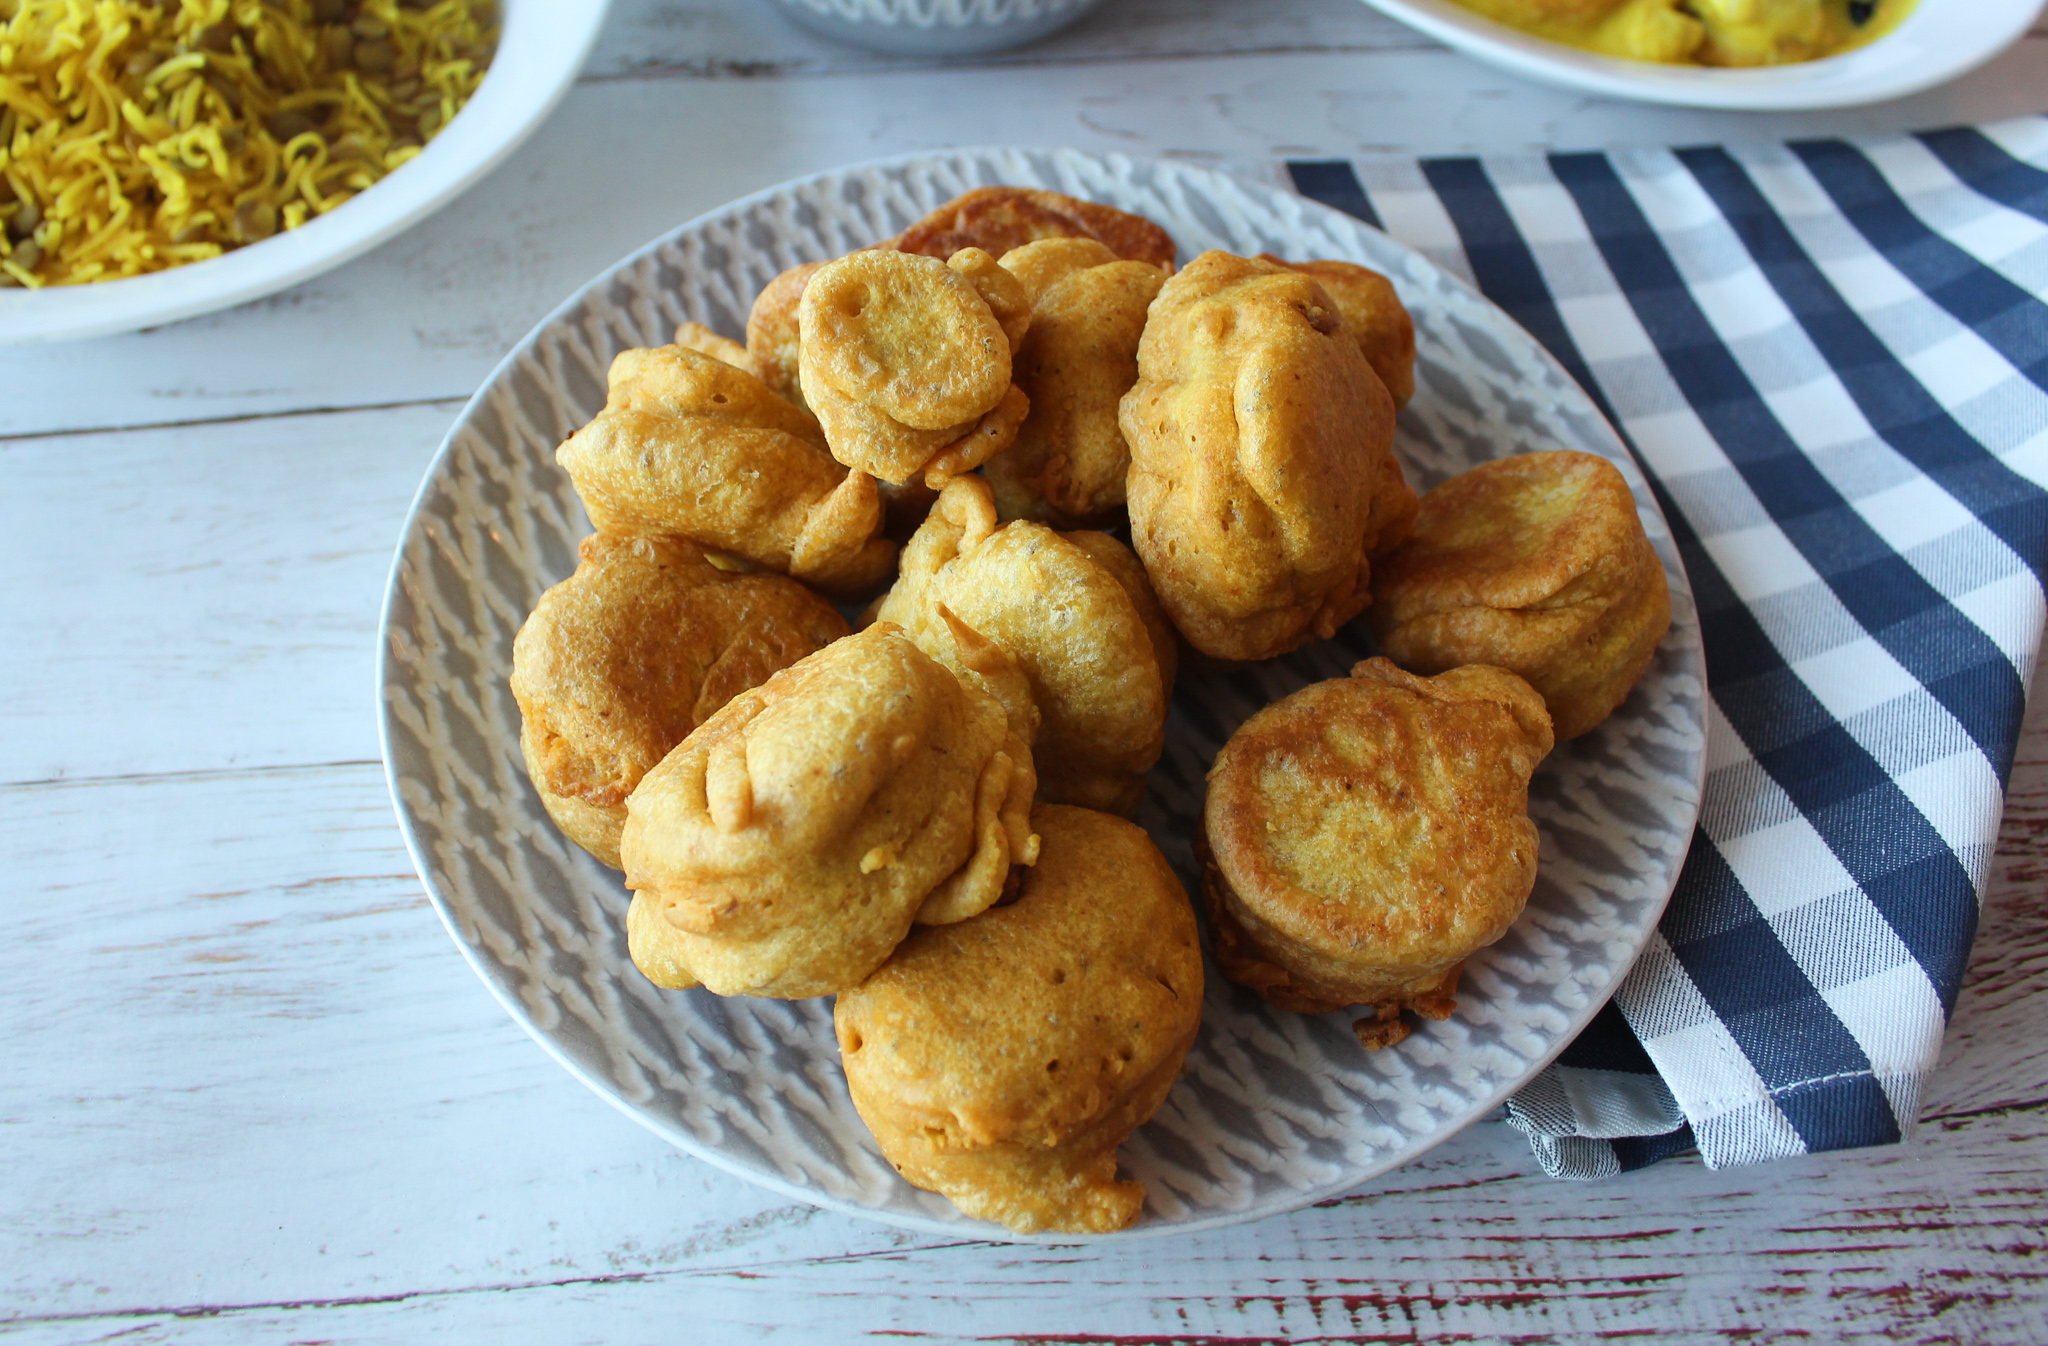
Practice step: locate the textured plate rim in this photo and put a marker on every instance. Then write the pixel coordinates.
(552, 42)
(387, 674)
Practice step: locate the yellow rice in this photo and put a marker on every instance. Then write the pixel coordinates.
(136, 136)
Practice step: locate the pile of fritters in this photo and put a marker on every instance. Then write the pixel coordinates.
(920, 817)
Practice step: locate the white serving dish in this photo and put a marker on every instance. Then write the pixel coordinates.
(1937, 42)
(1274, 1110)
(540, 50)
(934, 28)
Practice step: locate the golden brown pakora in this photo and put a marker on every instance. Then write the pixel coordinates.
(793, 838)
(773, 336)
(907, 365)
(689, 445)
(997, 219)
(1374, 315)
(1068, 621)
(1078, 359)
(1000, 1061)
(1536, 563)
(1262, 463)
(619, 662)
(1367, 834)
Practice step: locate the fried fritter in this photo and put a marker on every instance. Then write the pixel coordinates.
(773, 339)
(1078, 360)
(1068, 621)
(1262, 464)
(1002, 1060)
(907, 365)
(997, 219)
(1374, 315)
(656, 946)
(701, 339)
(792, 839)
(1367, 834)
(1535, 563)
(1041, 265)
(690, 445)
(619, 662)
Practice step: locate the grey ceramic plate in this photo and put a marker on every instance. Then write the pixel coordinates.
(1274, 1110)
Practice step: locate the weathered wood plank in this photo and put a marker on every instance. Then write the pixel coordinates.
(201, 597)
(1838, 1248)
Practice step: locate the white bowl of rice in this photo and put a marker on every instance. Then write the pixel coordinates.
(277, 236)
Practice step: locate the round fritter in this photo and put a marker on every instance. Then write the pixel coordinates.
(656, 946)
(906, 364)
(701, 339)
(690, 445)
(795, 835)
(1262, 463)
(1040, 265)
(773, 338)
(1374, 315)
(1077, 361)
(1368, 833)
(1067, 620)
(1538, 564)
(619, 662)
(1002, 1060)
(997, 219)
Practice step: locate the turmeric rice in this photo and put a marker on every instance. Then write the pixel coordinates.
(137, 135)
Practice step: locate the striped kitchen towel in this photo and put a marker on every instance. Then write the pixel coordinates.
(1831, 359)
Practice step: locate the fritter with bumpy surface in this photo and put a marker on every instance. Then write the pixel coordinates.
(1367, 834)
(1077, 361)
(1538, 564)
(1374, 315)
(907, 363)
(773, 335)
(1002, 1060)
(619, 662)
(997, 219)
(690, 445)
(1069, 622)
(1262, 463)
(793, 838)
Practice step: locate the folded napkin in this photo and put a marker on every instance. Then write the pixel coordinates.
(1831, 359)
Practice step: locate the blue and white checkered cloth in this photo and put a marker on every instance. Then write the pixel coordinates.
(1831, 359)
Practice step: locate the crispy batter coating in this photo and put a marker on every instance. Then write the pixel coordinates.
(907, 365)
(997, 219)
(1262, 464)
(1070, 624)
(1374, 315)
(701, 339)
(619, 662)
(1002, 1060)
(1368, 833)
(773, 338)
(795, 835)
(656, 947)
(1123, 563)
(690, 445)
(1538, 564)
(1077, 361)
(1041, 265)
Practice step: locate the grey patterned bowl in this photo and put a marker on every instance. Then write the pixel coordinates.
(934, 27)
(1274, 1110)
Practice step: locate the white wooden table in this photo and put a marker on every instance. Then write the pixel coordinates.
(251, 1092)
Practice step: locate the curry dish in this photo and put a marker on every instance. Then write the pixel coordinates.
(1702, 32)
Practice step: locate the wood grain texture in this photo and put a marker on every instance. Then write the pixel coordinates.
(254, 1094)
